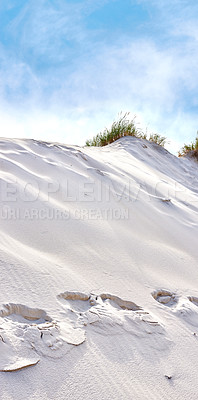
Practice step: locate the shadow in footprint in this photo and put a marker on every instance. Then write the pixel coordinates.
(183, 307)
(76, 301)
(26, 333)
(165, 297)
(119, 303)
(22, 313)
(193, 300)
(104, 312)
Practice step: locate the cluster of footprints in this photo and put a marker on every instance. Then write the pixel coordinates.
(27, 334)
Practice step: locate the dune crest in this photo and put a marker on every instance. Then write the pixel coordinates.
(98, 260)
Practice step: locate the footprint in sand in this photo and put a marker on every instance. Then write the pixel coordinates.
(105, 311)
(15, 321)
(27, 333)
(165, 297)
(21, 312)
(193, 300)
(184, 307)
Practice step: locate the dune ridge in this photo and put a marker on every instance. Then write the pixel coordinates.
(98, 258)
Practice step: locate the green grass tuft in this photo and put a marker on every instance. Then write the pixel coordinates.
(193, 147)
(123, 127)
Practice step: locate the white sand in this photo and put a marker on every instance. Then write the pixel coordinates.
(99, 272)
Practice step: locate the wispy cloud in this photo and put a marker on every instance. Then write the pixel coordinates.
(56, 68)
(45, 29)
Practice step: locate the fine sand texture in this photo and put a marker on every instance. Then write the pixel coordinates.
(99, 272)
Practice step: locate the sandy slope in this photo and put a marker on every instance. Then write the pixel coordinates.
(98, 254)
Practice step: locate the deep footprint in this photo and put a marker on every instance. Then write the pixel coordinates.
(35, 315)
(193, 300)
(82, 301)
(28, 332)
(76, 301)
(123, 304)
(182, 306)
(165, 297)
(104, 311)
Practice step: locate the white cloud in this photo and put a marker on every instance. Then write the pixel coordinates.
(136, 76)
(71, 104)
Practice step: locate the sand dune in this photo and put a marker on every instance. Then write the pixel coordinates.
(99, 287)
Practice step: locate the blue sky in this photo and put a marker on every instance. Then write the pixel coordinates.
(67, 68)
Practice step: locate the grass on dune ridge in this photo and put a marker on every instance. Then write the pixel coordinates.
(120, 128)
(124, 126)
